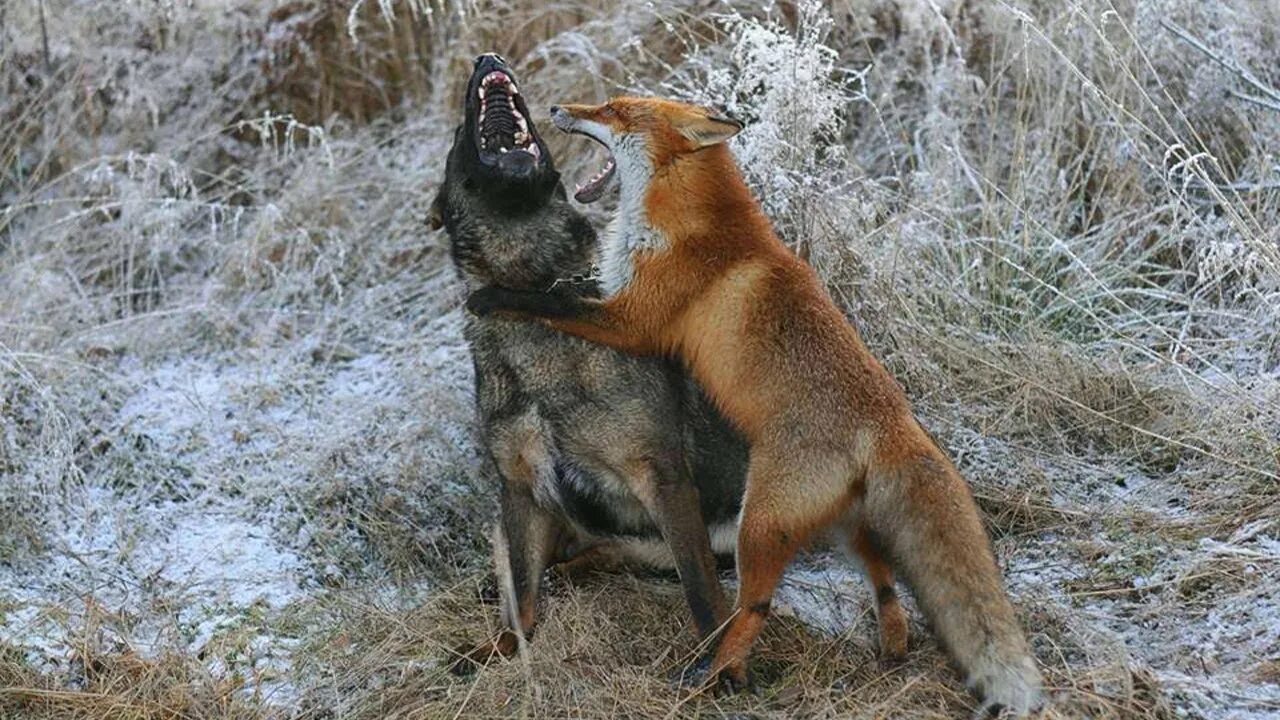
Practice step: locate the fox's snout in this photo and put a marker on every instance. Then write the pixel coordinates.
(565, 117)
(560, 118)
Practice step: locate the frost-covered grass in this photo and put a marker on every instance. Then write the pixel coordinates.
(237, 470)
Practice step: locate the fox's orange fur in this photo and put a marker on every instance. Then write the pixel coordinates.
(833, 439)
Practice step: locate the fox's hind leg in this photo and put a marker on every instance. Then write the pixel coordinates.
(787, 499)
(890, 616)
(922, 510)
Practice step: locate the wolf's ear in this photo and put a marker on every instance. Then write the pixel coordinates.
(435, 215)
(712, 128)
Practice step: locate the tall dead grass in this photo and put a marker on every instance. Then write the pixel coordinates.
(1057, 222)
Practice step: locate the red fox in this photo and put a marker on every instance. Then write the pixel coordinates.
(691, 267)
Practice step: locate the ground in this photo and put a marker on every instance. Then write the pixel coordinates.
(238, 468)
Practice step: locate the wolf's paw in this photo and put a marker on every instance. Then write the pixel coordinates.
(1009, 688)
(471, 658)
(464, 663)
(729, 681)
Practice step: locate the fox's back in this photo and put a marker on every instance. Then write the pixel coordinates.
(759, 329)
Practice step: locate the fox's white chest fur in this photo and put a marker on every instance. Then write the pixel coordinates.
(629, 232)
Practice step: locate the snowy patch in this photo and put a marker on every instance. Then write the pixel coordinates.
(205, 544)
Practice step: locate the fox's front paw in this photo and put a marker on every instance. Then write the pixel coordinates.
(523, 304)
(486, 301)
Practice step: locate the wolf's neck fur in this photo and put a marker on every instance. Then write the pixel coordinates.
(529, 251)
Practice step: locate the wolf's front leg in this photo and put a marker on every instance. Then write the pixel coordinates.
(674, 507)
(525, 541)
(601, 321)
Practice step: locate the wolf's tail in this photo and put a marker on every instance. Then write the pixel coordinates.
(923, 514)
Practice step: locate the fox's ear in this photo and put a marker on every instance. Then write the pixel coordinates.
(709, 129)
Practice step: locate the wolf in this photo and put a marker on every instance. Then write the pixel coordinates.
(600, 458)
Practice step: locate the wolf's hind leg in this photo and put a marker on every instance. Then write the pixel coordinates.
(600, 557)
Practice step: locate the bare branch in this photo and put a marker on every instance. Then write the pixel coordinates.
(1271, 95)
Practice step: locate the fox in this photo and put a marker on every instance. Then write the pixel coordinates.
(603, 461)
(692, 268)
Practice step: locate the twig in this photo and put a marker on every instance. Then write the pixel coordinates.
(1271, 96)
(1257, 100)
(44, 39)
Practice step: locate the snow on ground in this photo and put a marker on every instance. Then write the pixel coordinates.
(210, 544)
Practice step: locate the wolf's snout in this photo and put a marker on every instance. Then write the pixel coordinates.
(493, 59)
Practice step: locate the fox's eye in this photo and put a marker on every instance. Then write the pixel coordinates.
(608, 112)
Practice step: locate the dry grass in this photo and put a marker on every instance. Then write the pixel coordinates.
(220, 311)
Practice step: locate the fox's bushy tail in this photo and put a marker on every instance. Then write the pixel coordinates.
(923, 514)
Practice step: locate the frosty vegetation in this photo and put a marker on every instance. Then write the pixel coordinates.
(237, 461)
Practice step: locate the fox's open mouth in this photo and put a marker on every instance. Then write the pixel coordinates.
(591, 190)
(501, 126)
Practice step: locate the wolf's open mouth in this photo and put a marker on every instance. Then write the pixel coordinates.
(501, 126)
